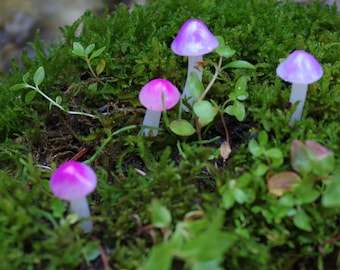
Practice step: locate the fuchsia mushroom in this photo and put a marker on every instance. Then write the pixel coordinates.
(300, 68)
(72, 182)
(151, 96)
(194, 39)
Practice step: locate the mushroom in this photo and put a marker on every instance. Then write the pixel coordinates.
(300, 68)
(72, 182)
(194, 39)
(151, 96)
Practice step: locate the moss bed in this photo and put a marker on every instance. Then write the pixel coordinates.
(171, 202)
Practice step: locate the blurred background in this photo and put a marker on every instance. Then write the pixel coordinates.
(20, 19)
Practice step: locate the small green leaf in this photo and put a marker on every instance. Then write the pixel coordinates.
(195, 86)
(18, 86)
(302, 220)
(240, 196)
(159, 258)
(160, 215)
(261, 169)
(237, 110)
(225, 51)
(330, 197)
(182, 127)
(91, 251)
(220, 40)
(78, 49)
(25, 77)
(39, 76)
(228, 199)
(204, 110)
(241, 84)
(100, 67)
(274, 153)
(93, 86)
(263, 138)
(30, 96)
(239, 64)
(89, 49)
(254, 148)
(58, 100)
(97, 53)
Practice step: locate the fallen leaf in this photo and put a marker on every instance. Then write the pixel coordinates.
(225, 150)
(282, 182)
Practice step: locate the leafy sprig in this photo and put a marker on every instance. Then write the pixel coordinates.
(38, 78)
(88, 55)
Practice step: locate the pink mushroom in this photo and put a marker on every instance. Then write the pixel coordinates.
(300, 68)
(72, 182)
(194, 39)
(151, 96)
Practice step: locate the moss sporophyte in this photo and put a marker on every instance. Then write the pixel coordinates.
(227, 183)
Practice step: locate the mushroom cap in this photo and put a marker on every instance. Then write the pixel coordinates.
(194, 39)
(300, 67)
(73, 180)
(151, 95)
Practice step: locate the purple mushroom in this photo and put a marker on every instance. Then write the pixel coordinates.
(194, 39)
(300, 68)
(72, 182)
(151, 96)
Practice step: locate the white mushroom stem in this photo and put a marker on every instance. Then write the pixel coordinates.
(151, 119)
(192, 67)
(298, 94)
(82, 209)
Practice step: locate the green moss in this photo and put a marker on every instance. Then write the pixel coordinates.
(35, 229)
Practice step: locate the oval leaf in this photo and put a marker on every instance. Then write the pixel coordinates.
(195, 86)
(239, 64)
(78, 49)
(302, 220)
(182, 127)
(204, 110)
(89, 49)
(39, 76)
(30, 96)
(100, 67)
(225, 51)
(97, 52)
(237, 110)
(241, 84)
(160, 215)
(282, 182)
(17, 86)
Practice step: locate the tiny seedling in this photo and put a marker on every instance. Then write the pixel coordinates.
(88, 55)
(38, 78)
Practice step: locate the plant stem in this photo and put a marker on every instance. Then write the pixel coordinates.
(90, 68)
(107, 140)
(211, 83)
(36, 88)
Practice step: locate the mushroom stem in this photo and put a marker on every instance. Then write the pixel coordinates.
(299, 92)
(82, 209)
(151, 119)
(192, 67)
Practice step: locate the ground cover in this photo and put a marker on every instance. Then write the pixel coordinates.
(175, 201)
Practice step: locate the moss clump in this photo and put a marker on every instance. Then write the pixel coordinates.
(262, 231)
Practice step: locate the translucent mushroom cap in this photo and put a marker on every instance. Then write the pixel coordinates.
(151, 95)
(194, 39)
(73, 180)
(300, 67)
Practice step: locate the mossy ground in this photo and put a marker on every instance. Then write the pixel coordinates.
(35, 229)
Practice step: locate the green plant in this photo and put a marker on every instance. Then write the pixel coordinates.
(38, 78)
(204, 111)
(87, 54)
